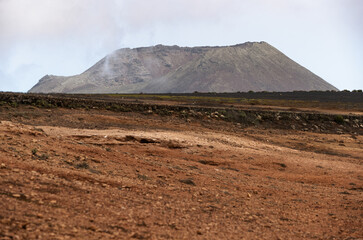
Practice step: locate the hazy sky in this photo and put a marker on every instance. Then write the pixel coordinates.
(65, 37)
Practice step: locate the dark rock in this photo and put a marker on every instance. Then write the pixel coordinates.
(188, 181)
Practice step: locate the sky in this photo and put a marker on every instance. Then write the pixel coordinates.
(66, 37)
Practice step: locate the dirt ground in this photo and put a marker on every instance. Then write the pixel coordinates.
(97, 174)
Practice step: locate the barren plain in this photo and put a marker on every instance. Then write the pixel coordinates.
(174, 171)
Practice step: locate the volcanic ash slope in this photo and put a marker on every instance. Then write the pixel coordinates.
(255, 66)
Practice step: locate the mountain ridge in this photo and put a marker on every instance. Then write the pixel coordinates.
(255, 66)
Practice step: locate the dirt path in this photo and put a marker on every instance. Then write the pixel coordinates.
(146, 177)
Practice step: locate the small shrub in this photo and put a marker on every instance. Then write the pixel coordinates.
(13, 104)
(242, 115)
(83, 165)
(142, 177)
(235, 116)
(34, 151)
(43, 157)
(254, 102)
(339, 119)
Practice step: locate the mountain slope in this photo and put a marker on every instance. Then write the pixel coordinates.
(163, 69)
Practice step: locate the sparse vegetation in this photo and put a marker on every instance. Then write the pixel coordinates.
(83, 165)
(43, 103)
(116, 102)
(143, 177)
(34, 151)
(222, 107)
(13, 104)
(339, 119)
(43, 156)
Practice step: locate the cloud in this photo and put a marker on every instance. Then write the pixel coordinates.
(51, 20)
(65, 37)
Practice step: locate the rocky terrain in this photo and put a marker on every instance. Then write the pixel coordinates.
(76, 167)
(255, 66)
